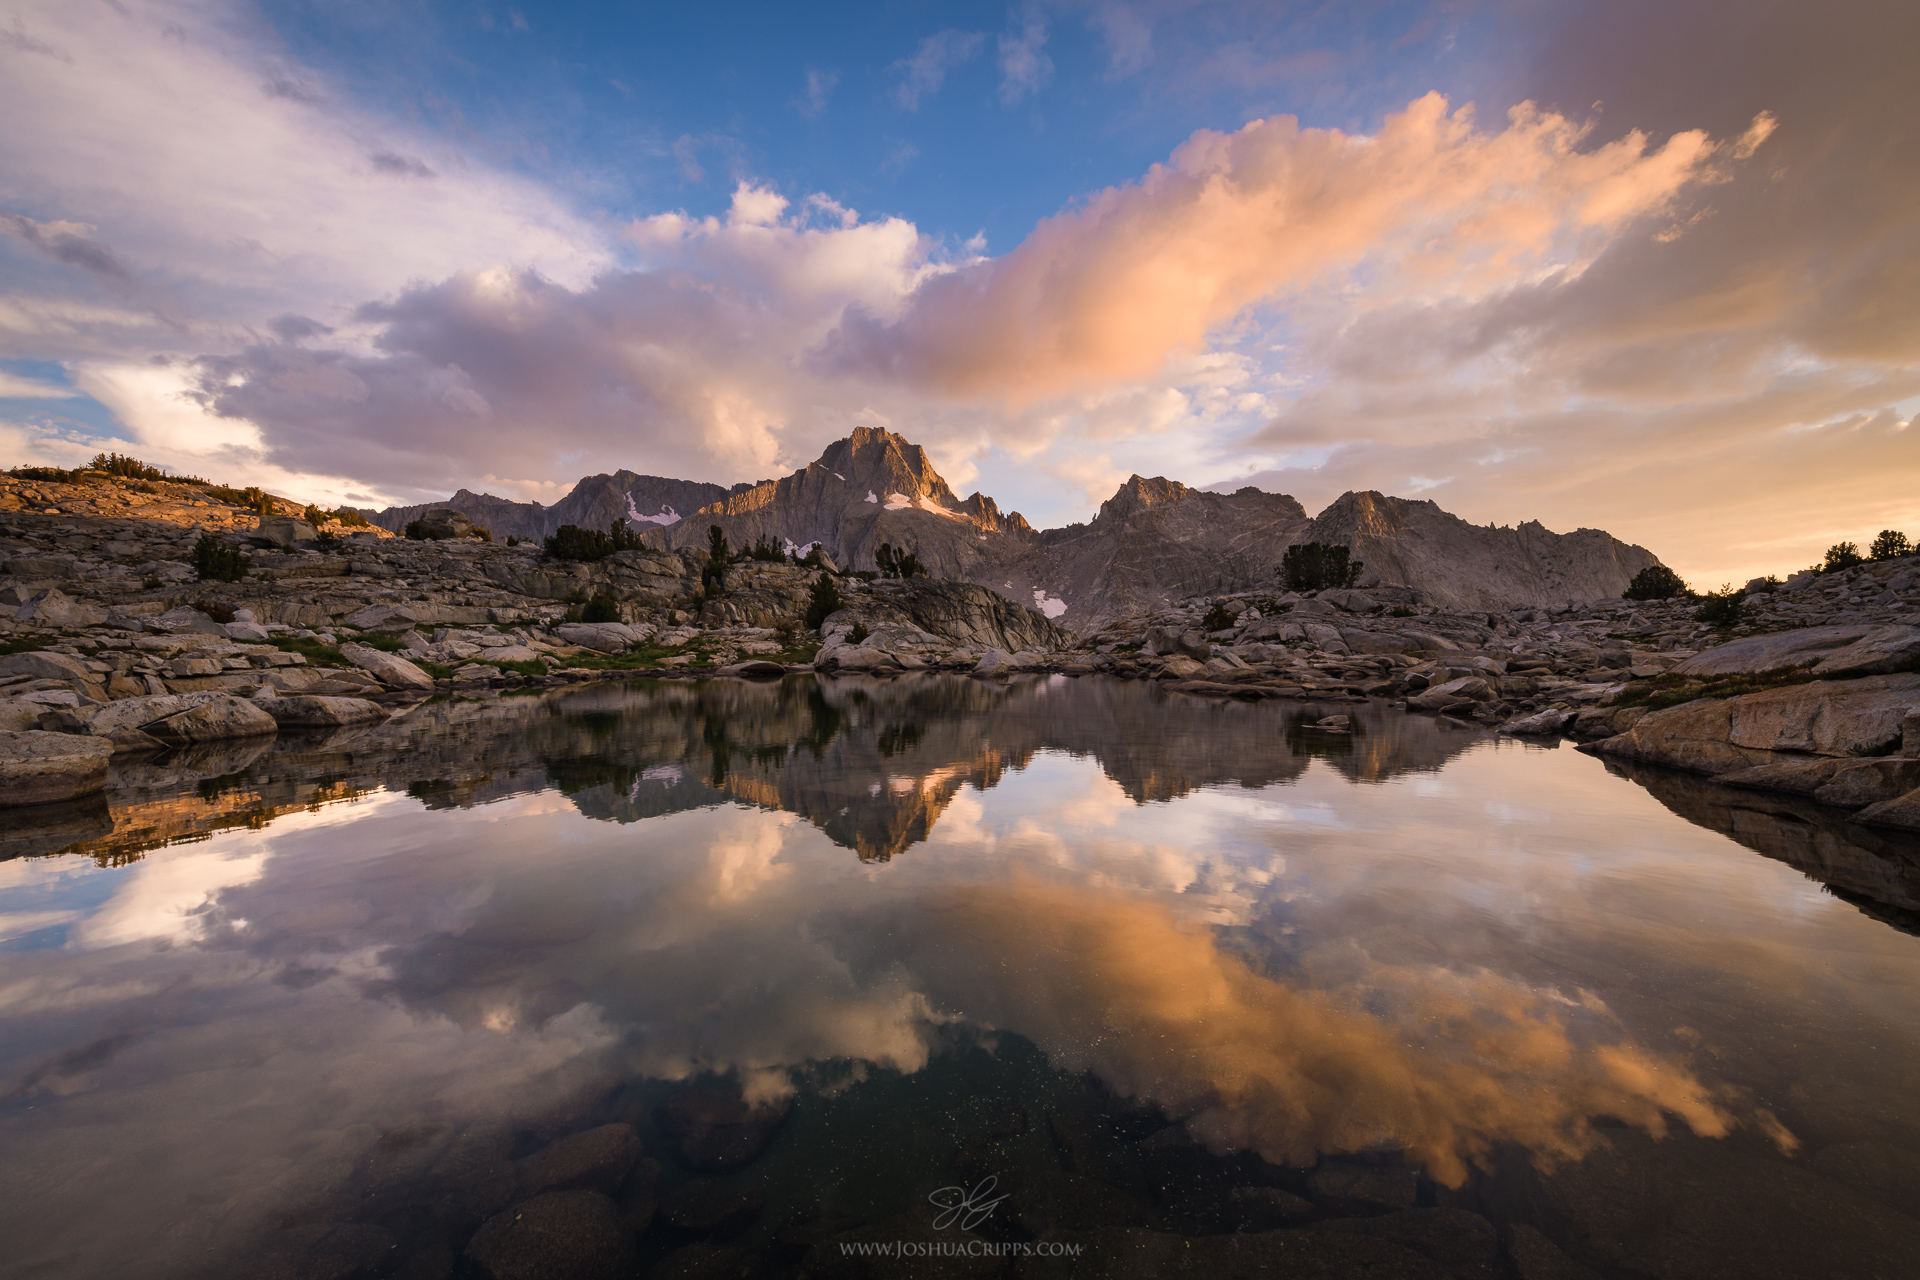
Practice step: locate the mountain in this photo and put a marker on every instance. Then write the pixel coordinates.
(1154, 542)
(594, 503)
(1466, 566)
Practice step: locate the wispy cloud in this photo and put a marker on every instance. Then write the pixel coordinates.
(820, 86)
(1024, 65)
(922, 74)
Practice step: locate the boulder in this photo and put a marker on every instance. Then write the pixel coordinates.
(307, 711)
(389, 669)
(1163, 641)
(247, 632)
(1865, 782)
(43, 664)
(382, 619)
(187, 619)
(1371, 642)
(1844, 718)
(44, 566)
(1181, 667)
(1349, 600)
(445, 522)
(716, 1130)
(602, 637)
(1781, 651)
(1882, 651)
(1801, 777)
(57, 609)
(1903, 812)
(753, 670)
(41, 768)
(995, 662)
(596, 1160)
(562, 1235)
(1464, 687)
(1549, 721)
(219, 717)
(282, 531)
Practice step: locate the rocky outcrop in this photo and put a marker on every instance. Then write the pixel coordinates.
(1459, 566)
(1844, 719)
(1157, 541)
(43, 768)
(595, 502)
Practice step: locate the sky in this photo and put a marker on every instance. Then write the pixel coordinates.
(1647, 267)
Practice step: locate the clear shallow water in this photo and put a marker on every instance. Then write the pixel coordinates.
(1141, 958)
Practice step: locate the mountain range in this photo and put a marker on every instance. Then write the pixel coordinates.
(1153, 542)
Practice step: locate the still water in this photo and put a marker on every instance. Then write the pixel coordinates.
(1062, 977)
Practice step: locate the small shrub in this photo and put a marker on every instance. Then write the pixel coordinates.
(351, 518)
(119, 464)
(1655, 582)
(713, 577)
(53, 475)
(512, 541)
(859, 633)
(1315, 566)
(823, 601)
(1720, 608)
(1402, 611)
(766, 551)
(1841, 555)
(219, 612)
(1218, 618)
(314, 516)
(327, 540)
(571, 542)
(1890, 545)
(215, 561)
(601, 608)
(150, 583)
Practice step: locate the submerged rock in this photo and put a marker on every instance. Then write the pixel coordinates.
(715, 1129)
(562, 1235)
(389, 669)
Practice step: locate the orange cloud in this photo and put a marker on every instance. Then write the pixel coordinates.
(1108, 290)
(1155, 1008)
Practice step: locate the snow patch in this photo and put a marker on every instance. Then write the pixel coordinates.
(667, 515)
(901, 502)
(801, 549)
(1053, 608)
(870, 497)
(837, 476)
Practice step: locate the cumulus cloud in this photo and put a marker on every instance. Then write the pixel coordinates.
(1107, 291)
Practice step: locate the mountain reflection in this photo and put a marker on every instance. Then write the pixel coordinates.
(871, 763)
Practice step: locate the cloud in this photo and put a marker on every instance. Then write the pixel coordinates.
(922, 75)
(399, 165)
(1024, 66)
(1150, 1004)
(218, 175)
(15, 387)
(820, 84)
(1107, 291)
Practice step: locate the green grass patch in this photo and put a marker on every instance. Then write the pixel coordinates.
(20, 646)
(530, 668)
(433, 669)
(384, 642)
(316, 652)
(634, 660)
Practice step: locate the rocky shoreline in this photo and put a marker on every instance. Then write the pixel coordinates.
(113, 639)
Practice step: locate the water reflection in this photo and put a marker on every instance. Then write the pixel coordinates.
(1157, 964)
(872, 763)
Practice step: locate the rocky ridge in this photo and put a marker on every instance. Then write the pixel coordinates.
(594, 503)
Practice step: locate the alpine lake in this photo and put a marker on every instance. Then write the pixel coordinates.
(933, 976)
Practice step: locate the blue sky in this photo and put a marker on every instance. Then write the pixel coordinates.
(636, 108)
(1645, 265)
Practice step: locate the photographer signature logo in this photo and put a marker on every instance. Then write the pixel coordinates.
(963, 1208)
